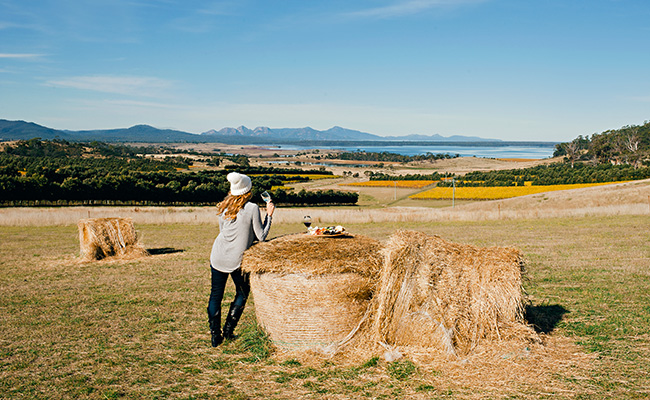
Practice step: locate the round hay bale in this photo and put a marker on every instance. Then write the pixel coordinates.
(302, 253)
(311, 292)
(451, 296)
(301, 311)
(107, 237)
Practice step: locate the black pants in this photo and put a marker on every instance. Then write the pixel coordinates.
(219, 279)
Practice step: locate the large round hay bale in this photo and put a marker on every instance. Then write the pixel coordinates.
(439, 294)
(311, 292)
(302, 311)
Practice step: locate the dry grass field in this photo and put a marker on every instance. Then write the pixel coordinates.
(396, 184)
(137, 328)
(631, 198)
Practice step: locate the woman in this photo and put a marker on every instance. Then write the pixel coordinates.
(240, 224)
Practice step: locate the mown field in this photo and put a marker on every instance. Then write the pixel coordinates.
(137, 328)
(413, 184)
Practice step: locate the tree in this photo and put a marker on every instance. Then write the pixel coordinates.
(631, 142)
(572, 150)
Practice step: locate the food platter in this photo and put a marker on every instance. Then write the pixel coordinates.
(328, 231)
(332, 235)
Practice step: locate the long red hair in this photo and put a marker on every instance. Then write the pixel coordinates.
(231, 205)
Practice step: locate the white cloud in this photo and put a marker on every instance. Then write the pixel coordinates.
(220, 8)
(143, 104)
(19, 55)
(205, 19)
(407, 7)
(193, 24)
(125, 85)
(8, 25)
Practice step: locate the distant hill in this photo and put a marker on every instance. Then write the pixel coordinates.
(137, 133)
(14, 130)
(336, 133)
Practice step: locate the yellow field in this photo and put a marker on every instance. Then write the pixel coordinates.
(495, 192)
(399, 184)
(285, 188)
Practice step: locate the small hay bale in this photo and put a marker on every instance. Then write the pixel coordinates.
(108, 237)
(444, 295)
(312, 292)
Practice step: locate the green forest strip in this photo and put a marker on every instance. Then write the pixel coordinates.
(385, 156)
(40, 173)
(552, 174)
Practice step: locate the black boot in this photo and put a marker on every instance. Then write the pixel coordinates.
(231, 321)
(215, 329)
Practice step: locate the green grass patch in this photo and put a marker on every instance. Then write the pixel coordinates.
(401, 369)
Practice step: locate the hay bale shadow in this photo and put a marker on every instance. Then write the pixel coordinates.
(164, 250)
(544, 318)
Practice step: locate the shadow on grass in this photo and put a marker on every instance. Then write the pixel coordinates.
(545, 318)
(164, 250)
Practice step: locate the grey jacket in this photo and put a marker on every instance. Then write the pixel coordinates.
(235, 236)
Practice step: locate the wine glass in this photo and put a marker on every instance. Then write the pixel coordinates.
(266, 197)
(307, 221)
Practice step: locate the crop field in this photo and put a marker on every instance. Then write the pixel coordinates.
(310, 176)
(137, 328)
(518, 160)
(400, 184)
(495, 192)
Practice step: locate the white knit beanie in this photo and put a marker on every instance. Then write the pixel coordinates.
(239, 183)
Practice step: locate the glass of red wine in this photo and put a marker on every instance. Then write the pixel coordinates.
(307, 221)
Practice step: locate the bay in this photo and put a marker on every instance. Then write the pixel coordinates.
(514, 151)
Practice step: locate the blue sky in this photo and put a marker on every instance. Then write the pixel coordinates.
(504, 69)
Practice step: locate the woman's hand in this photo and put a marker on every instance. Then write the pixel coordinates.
(270, 208)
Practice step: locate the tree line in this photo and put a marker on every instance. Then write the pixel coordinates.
(627, 145)
(380, 176)
(274, 170)
(60, 172)
(317, 197)
(385, 156)
(552, 174)
(59, 148)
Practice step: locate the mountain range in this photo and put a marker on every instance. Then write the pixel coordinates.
(14, 130)
(336, 133)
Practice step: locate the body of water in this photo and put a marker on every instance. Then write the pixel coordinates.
(532, 152)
